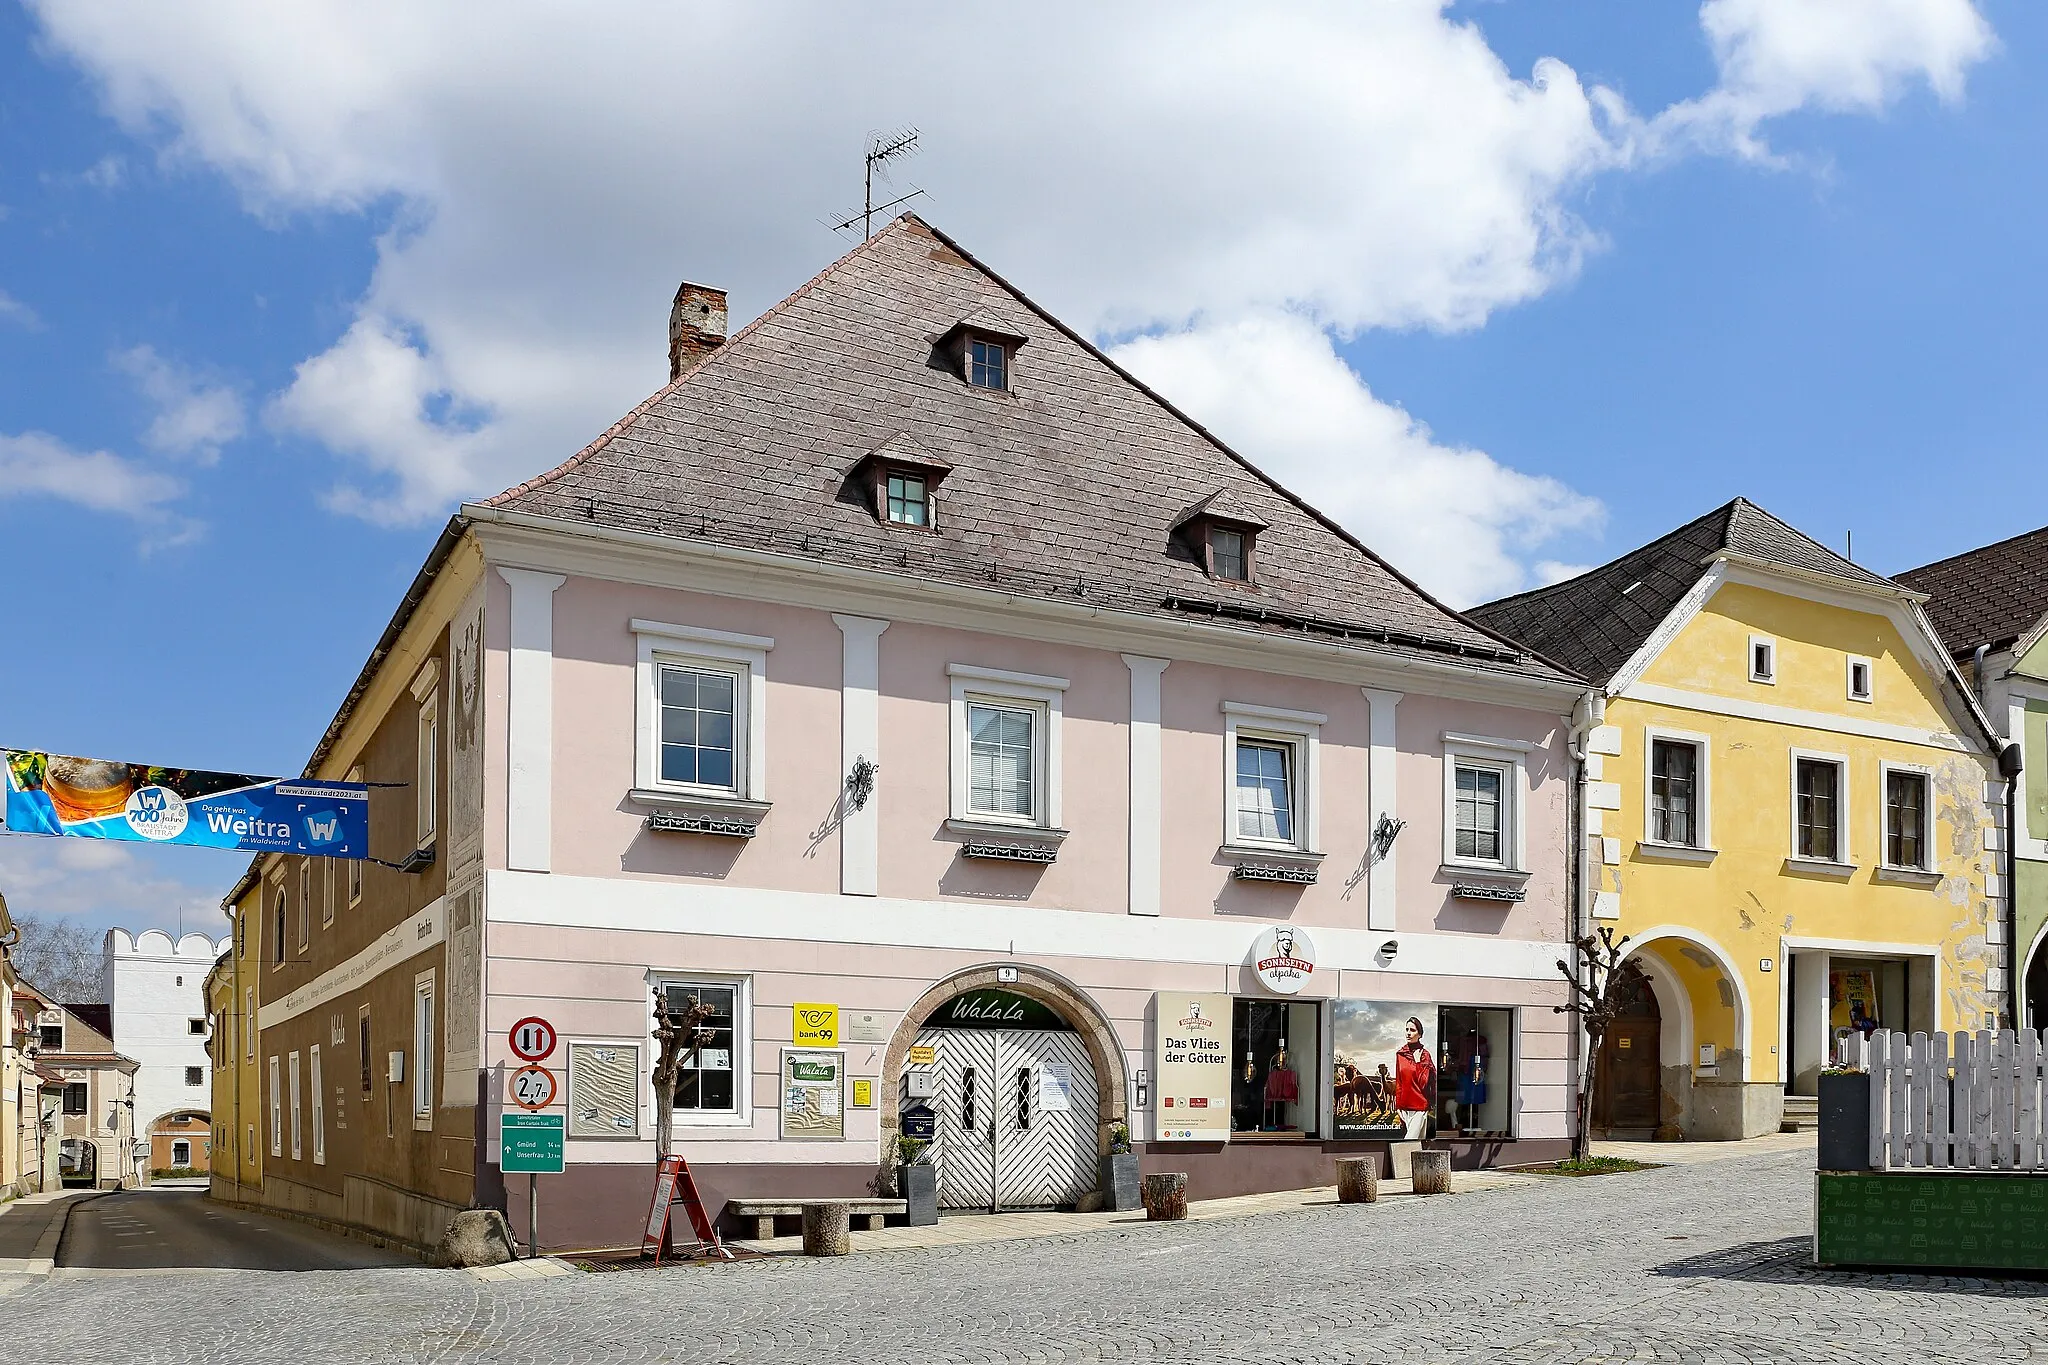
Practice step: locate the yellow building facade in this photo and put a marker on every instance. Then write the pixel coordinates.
(233, 996)
(1792, 810)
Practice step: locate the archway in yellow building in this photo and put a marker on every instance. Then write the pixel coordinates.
(1696, 1059)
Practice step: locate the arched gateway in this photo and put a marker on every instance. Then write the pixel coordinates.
(1026, 1078)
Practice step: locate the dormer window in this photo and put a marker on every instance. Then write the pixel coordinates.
(988, 364)
(907, 504)
(1227, 554)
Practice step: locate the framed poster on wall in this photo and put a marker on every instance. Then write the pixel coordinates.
(1192, 1063)
(813, 1093)
(1383, 1069)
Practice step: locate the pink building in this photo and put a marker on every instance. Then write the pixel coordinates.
(994, 751)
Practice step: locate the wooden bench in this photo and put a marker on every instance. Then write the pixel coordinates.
(762, 1213)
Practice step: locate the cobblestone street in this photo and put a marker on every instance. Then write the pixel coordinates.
(1699, 1263)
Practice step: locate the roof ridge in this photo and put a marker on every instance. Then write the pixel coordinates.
(1785, 525)
(1650, 544)
(610, 433)
(1202, 431)
(1966, 554)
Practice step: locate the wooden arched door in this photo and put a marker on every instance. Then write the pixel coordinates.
(1626, 1084)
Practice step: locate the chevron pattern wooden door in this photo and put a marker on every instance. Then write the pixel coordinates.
(1000, 1144)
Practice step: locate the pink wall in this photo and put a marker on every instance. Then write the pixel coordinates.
(597, 831)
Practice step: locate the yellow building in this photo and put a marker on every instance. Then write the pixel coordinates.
(233, 996)
(1792, 809)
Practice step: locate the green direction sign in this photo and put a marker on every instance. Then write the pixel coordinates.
(530, 1144)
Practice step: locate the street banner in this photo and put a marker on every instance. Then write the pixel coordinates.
(97, 798)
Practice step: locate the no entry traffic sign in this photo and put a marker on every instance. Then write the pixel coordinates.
(533, 1087)
(533, 1039)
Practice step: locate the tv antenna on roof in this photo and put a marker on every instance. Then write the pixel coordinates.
(895, 145)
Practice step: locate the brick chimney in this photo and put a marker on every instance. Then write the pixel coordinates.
(696, 327)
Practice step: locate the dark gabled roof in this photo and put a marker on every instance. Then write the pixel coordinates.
(1067, 487)
(1596, 622)
(1989, 596)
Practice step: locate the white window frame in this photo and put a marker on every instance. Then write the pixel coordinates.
(176, 1143)
(742, 1115)
(425, 1025)
(249, 1022)
(1703, 805)
(319, 1106)
(1303, 732)
(279, 921)
(721, 651)
(355, 865)
(327, 892)
(1845, 843)
(305, 904)
(1770, 677)
(1510, 758)
(1046, 698)
(1885, 769)
(298, 1111)
(1869, 692)
(427, 769)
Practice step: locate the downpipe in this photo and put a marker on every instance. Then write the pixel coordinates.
(1589, 714)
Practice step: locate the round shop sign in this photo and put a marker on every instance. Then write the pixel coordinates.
(1285, 958)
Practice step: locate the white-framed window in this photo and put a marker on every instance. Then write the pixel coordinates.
(1763, 659)
(702, 713)
(319, 1107)
(1006, 760)
(1908, 817)
(1678, 802)
(1820, 807)
(906, 498)
(427, 779)
(181, 1152)
(292, 1066)
(280, 923)
(305, 903)
(423, 1050)
(327, 891)
(249, 1023)
(1859, 680)
(355, 865)
(714, 1087)
(196, 1027)
(1484, 784)
(1272, 768)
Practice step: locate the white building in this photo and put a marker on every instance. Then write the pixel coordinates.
(155, 988)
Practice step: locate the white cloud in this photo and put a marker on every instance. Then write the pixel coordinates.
(37, 463)
(1360, 166)
(1454, 519)
(1549, 571)
(117, 886)
(1844, 56)
(195, 417)
(20, 314)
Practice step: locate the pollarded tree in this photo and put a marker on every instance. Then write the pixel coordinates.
(677, 1034)
(1598, 998)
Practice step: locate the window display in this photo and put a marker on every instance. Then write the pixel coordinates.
(1270, 1042)
(1475, 1064)
(1402, 1071)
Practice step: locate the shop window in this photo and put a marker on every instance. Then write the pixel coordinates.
(1005, 748)
(1475, 1071)
(1905, 818)
(710, 1079)
(1275, 1045)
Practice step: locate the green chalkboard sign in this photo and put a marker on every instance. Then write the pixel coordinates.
(1959, 1221)
(996, 1009)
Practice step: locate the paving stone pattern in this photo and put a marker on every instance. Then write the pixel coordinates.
(1701, 1263)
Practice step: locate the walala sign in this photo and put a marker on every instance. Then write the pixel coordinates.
(997, 1009)
(99, 798)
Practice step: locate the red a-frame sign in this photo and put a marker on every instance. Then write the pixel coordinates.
(673, 1185)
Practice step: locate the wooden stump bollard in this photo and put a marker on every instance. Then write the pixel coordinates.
(1432, 1173)
(1358, 1180)
(1166, 1197)
(827, 1228)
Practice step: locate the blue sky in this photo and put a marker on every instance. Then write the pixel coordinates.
(279, 287)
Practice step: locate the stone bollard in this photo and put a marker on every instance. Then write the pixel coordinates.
(1432, 1173)
(826, 1228)
(1358, 1180)
(1166, 1197)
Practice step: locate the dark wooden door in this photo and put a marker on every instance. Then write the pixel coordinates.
(1626, 1083)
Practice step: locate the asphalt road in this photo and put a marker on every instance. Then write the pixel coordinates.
(181, 1229)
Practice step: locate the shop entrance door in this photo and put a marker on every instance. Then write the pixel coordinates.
(1016, 1114)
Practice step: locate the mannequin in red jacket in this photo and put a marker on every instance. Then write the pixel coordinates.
(1414, 1082)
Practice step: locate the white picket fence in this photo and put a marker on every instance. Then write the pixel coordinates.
(1973, 1104)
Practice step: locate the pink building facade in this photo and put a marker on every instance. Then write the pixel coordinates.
(1016, 766)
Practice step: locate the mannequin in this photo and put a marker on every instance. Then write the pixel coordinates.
(1474, 1053)
(1283, 1088)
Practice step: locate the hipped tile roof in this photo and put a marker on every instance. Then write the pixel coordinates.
(1066, 487)
(1596, 622)
(1989, 596)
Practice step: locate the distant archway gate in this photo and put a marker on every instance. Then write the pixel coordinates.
(1048, 988)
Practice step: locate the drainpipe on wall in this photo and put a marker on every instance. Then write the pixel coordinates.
(1590, 713)
(2011, 760)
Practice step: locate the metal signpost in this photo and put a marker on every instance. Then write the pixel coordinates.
(532, 1142)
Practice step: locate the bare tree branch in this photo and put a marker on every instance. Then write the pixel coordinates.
(59, 957)
(1598, 999)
